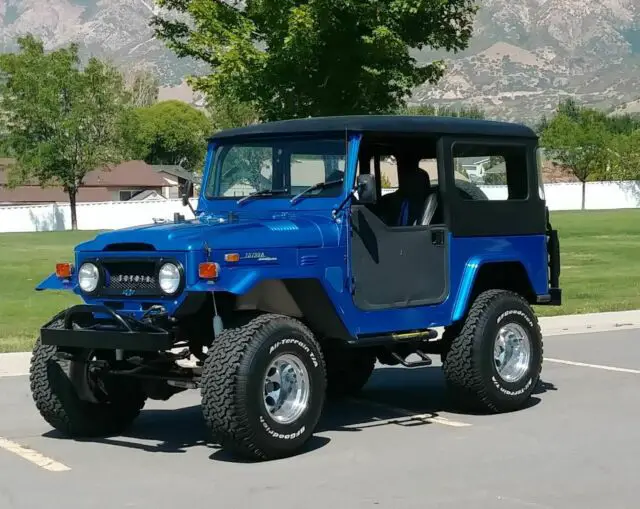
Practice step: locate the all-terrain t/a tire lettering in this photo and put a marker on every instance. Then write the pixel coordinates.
(233, 387)
(469, 365)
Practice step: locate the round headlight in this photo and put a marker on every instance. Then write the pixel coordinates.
(169, 278)
(88, 277)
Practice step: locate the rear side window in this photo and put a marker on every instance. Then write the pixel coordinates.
(499, 171)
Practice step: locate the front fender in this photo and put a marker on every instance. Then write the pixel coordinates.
(239, 283)
(53, 282)
(242, 280)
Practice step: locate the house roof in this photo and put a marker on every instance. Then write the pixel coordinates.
(381, 123)
(135, 174)
(98, 184)
(126, 174)
(175, 170)
(35, 194)
(149, 193)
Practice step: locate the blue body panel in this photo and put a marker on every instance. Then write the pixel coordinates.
(277, 240)
(52, 282)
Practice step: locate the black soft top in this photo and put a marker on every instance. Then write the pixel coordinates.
(381, 124)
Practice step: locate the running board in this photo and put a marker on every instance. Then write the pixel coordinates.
(426, 360)
(393, 338)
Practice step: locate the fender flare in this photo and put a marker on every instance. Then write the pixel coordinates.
(469, 278)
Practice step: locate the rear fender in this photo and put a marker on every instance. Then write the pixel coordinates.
(470, 276)
(53, 282)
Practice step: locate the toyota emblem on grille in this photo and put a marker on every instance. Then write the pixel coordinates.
(126, 278)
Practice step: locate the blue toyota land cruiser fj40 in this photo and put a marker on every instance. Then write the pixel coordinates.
(299, 272)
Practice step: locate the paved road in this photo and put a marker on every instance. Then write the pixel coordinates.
(576, 446)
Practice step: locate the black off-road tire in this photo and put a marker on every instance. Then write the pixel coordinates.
(348, 371)
(58, 402)
(233, 387)
(469, 366)
(448, 337)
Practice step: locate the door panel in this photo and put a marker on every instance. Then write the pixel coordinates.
(397, 267)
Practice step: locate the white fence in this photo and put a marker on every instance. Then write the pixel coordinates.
(91, 216)
(113, 215)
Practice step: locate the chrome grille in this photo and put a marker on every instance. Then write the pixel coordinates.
(131, 278)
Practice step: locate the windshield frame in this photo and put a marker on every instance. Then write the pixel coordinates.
(217, 150)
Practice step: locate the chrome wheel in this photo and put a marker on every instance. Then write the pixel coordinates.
(512, 352)
(286, 388)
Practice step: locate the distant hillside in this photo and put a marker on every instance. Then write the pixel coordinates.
(528, 55)
(524, 58)
(115, 29)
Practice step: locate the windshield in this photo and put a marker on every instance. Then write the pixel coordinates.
(286, 167)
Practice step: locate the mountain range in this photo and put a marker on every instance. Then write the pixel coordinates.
(524, 57)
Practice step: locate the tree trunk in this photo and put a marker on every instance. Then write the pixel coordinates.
(584, 192)
(72, 203)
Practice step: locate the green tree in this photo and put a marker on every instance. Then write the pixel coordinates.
(625, 124)
(143, 87)
(62, 116)
(626, 149)
(444, 111)
(5, 149)
(572, 109)
(300, 58)
(168, 132)
(227, 112)
(581, 141)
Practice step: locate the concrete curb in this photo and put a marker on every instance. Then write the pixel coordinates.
(17, 364)
(590, 323)
(14, 364)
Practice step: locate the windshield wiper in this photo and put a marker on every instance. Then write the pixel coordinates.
(264, 192)
(319, 185)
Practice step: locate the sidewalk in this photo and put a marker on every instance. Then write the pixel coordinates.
(17, 364)
(14, 364)
(590, 323)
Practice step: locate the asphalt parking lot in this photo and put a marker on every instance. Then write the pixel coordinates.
(400, 445)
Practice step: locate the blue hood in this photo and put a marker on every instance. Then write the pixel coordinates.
(192, 235)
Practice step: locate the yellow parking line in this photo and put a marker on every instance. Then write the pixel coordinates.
(595, 366)
(33, 456)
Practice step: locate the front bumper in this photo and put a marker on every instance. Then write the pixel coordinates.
(115, 332)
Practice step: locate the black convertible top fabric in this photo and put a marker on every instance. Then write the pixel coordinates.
(381, 123)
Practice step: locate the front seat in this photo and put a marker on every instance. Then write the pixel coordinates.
(417, 203)
(430, 207)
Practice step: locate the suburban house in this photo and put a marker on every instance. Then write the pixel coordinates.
(130, 180)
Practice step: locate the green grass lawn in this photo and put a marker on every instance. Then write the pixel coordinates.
(25, 260)
(600, 271)
(600, 253)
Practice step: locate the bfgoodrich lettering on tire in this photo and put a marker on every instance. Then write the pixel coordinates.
(496, 359)
(263, 387)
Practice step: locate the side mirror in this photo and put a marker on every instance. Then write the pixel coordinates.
(186, 191)
(366, 187)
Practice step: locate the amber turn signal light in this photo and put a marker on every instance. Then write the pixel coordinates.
(232, 257)
(208, 270)
(64, 270)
